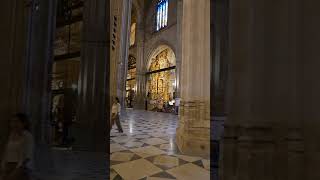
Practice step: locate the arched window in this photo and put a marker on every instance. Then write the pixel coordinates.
(162, 14)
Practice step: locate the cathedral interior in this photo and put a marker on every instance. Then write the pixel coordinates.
(208, 89)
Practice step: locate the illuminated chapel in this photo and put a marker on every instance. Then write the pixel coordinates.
(164, 89)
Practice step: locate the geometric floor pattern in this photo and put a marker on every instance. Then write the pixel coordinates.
(147, 150)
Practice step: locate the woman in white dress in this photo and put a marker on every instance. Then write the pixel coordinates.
(18, 154)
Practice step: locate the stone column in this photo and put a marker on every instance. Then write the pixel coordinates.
(193, 133)
(124, 50)
(308, 85)
(179, 46)
(39, 57)
(26, 55)
(91, 129)
(263, 138)
(219, 45)
(14, 18)
(115, 19)
(140, 98)
(26, 61)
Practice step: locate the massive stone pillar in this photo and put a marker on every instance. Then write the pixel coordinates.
(91, 128)
(179, 47)
(193, 133)
(219, 71)
(124, 50)
(115, 19)
(307, 52)
(14, 18)
(219, 47)
(26, 56)
(265, 131)
(39, 57)
(140, 99)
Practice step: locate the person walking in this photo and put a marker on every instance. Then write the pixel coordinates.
(115, 116)
(18, 154)
(177, 104)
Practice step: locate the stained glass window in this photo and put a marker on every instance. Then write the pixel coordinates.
(162, 14)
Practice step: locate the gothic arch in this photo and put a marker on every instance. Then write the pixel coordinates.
(138, 9)
(155, 49)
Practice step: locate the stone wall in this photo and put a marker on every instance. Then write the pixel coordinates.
(148, 40)
(272, 128)
(166, 36)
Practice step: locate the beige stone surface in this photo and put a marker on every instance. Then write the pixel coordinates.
(133, 144)
(154, 141)
(193, 133)
(157, 178)
(206, 164)
(189, 172)
(121, 156)
(133, 171)
(147, 151)
(189, 158)
(167, 161)
(116, 148)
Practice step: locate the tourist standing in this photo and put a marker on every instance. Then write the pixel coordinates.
(115, 115)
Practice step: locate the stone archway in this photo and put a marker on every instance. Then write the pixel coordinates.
(161, 79)
(156, 48)
(131, 82)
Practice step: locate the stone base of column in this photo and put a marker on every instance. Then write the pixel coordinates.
(193, 133)
(139, 103)
(194, 142)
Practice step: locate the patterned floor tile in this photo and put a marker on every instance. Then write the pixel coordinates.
(189, 172)
(166, 161)
(133, 170)
(148, 151)
(154, 141)
(163, 175)
(206, 164)
(189, 158)
(157, 178)
(133, 144)
(116, 147)
(150, 137)
(121, 156)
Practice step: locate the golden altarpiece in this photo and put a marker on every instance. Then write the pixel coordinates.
(161, 82)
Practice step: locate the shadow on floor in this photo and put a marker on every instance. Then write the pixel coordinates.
(70, 165)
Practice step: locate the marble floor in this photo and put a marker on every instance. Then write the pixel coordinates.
(147, 150)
